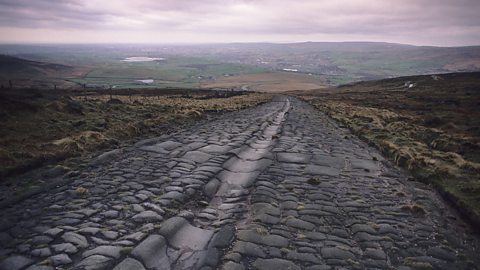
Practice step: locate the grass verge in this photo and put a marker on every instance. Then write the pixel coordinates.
(429, 125)
(39, 127)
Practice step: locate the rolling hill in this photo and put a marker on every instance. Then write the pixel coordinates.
(28, 72)
(234, 64)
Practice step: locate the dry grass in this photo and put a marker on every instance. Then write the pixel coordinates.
(38, 127)
(432, 128)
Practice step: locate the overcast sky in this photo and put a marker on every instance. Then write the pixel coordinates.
(419, 22)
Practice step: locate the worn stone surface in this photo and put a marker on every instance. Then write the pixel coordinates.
(95, 262)
(15, 263)
(274, 264)
(60, 259)
(152, 252)
(279, 186)
(76, 239)
(109, 251)
(129, 264)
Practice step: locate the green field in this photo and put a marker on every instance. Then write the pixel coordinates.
(95, 67)
(174, 72)
(193, 66)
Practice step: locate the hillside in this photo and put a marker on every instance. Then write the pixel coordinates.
(23, 72)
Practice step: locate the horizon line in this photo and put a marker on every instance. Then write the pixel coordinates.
(218, 43)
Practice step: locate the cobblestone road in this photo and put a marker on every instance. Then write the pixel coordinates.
(280, 186)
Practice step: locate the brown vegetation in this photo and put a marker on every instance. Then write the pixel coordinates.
(43, 126)
(427, 124)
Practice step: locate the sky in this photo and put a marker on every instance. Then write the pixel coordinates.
(417, 22)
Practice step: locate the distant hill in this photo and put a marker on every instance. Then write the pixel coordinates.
(29, 73)
(332, 63)
(18, 68)
(344, 62)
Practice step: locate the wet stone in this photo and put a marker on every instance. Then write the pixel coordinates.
(303, 257)
(53, 232)
(110, 235)
(299, 224)
(441, 253)
(378, 264)
(197, 156)
(293, 157)
(60, 259)
(336, 253)
(168, 145)
(322, 170)
(41, 252)
(40, 267)
(340, 233)
(274, 264)
(67, 221)
(76, 239)
(211, 187)
(386, 228)
(188, 235)
(248, 249)
(15, 263)
(147, 216)
(307, 250)
(5, 239)
(66, 248)
(376, 254)
(319, 267)
(232, 266)
(89, 230)
(265, 218)
(367, 165)
(171, 226)
(41, 239)
(152, 252)
(109, 251)
(288, 205)
(187, 215)
(174, 195)
(95, 262)
(154, 207)
(268, 240)
(233, 256)
(138, 208)
(362, 228)
(129, 264)
(224, 237)
(275, 252)
(23, 248)
(366, 237)
(110, 214)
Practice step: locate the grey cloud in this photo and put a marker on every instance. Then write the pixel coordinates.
(247, 17)
(45, 13)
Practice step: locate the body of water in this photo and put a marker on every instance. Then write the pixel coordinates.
(141, 59)
(147, 81)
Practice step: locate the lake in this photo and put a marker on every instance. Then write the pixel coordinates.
(148, 81)
(141, 59)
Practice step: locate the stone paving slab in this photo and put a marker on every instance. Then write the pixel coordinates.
(279, 186)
